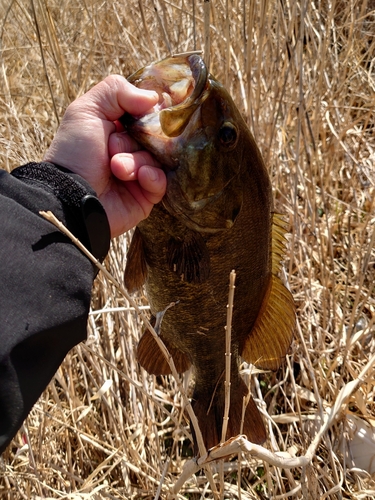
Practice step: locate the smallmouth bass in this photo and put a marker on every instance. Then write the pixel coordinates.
(217, 215)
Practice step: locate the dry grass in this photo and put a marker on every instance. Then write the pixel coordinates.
(303, 73)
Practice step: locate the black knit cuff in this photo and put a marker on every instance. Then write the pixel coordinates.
(77, 198)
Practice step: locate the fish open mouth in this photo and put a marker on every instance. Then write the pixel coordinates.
(179, 81)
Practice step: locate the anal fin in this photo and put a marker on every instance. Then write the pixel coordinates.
(136, 267)
(152, 359)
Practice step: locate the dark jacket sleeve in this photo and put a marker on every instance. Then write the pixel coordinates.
(45, 281)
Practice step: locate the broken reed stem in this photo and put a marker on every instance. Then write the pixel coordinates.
(193, 419)
(44, 63)
(227, 35)
(165, 470)
(162, 28)
(228, 353)
(194, 27)
(144, 23)
(55, 48)
(207, 38)
(228, 357)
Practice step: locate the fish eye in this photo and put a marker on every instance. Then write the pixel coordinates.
(228, 134)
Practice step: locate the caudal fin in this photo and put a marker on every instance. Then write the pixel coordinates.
(210, 412)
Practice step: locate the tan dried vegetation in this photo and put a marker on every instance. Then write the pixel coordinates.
(303, 74)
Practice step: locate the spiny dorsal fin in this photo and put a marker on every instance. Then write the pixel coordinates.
(270, 338)
(152, 359)
(136, 267)
(189, 258)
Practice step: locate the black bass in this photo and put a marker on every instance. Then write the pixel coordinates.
(217, 215)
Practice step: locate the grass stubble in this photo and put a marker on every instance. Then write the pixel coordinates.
(303, 74)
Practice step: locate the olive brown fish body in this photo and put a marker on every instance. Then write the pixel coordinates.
(216, 217)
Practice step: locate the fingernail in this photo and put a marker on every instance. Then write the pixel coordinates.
(148, 93)
(153, 174)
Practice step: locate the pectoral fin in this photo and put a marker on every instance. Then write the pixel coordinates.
(136, 267)
(152, 359)
(189, 258)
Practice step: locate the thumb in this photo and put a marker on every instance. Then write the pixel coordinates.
(114, 96)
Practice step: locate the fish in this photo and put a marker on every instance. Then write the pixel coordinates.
(216, 216)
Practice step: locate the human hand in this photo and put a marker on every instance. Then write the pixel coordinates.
(89, 142)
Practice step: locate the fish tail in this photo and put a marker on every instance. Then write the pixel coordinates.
(210, 413)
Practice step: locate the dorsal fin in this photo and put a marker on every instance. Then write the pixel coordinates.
(271, 335)
(152, 359)
(136, 268)
(279, 228)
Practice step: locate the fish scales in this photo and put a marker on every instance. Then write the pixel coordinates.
(216, 216)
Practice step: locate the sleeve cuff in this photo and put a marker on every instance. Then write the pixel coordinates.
(77, 198)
